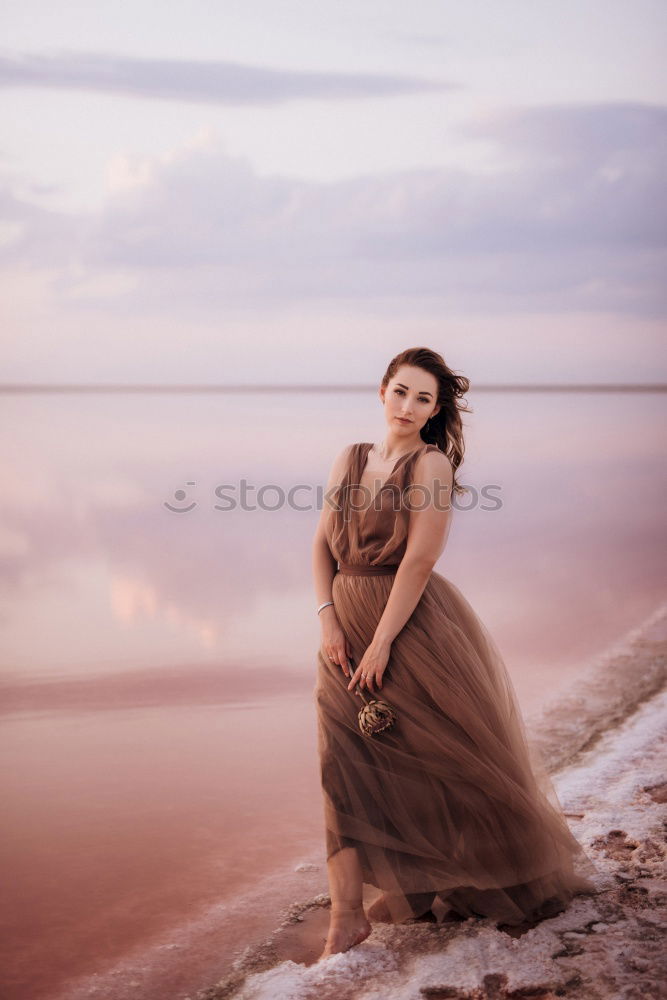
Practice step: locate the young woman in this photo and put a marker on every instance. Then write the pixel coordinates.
(449, 801)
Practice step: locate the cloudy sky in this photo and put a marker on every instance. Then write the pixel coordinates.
(292, 192)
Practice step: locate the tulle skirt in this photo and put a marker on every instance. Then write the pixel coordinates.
(453, 800)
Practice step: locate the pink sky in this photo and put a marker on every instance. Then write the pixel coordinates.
(282, 196)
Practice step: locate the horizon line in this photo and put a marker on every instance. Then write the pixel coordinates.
(65, 387)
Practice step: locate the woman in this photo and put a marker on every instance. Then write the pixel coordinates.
(450, 801)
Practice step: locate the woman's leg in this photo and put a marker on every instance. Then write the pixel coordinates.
(345, 883)
(348, 924)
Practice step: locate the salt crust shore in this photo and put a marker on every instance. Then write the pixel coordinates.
(605, 745)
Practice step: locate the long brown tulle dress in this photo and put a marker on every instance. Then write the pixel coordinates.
(451, 801)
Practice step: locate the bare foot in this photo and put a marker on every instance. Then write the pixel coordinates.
(347, 928)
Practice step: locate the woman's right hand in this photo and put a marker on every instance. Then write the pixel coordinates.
(335, 647)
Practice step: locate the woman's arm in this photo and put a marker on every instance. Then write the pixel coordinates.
(324, 564)
(428, 529)
(324, 569)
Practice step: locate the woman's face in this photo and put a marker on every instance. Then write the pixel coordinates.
(411, 394)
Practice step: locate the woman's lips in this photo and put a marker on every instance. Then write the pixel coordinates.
(403, 421)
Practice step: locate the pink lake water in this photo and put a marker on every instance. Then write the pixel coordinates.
(160, 783)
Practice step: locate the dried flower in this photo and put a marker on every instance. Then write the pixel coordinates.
(375, 717)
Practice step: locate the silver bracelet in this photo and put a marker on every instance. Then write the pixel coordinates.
(325, 605)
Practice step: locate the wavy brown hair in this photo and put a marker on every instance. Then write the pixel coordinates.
(445, 429)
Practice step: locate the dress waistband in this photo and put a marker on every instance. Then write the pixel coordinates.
(352, 569)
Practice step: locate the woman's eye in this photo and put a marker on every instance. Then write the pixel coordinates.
(400, 392)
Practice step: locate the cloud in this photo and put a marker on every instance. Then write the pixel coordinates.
(200, 81)
(565, 131)
(577, 223)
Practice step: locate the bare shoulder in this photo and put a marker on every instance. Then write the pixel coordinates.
(431, 464)
(432, 476)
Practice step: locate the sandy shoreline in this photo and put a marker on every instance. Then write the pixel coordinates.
(605, 745)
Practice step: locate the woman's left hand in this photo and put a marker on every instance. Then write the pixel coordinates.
(371, 667)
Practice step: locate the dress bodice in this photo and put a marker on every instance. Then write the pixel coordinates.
(366, 530)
